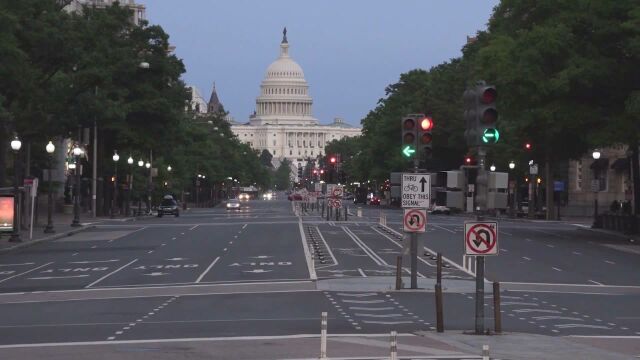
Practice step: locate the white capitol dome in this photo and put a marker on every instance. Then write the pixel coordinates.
(284, 93)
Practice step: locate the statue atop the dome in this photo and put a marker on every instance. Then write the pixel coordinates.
(284, 36)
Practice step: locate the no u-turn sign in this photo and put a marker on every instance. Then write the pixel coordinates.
(480, 238)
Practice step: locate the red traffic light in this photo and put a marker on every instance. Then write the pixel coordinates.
(426, 124)
(468, 160)
(332, 159)
(528, 146)
(426, 138)
(489, 95)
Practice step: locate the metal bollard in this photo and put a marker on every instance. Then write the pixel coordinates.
(497, 315)
(346, 212)
(439, 268)
(394, 346)
(323, 336)
(359, 212)
(439, 310)
(485, 352)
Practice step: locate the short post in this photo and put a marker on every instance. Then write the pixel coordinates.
(328, 212)
(485, 352)
(439, 268)
(337, 214)
(359, 212)
(346, 212)
(394, 346)
(398, 272)
(439, 310)
(497, 315)
(323, 336)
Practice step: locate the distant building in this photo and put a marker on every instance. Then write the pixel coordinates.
(283, 122)
(139, 10)
(197, 104)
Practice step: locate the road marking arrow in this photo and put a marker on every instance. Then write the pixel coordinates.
(57, 277)
(257, 271)
(92, 261)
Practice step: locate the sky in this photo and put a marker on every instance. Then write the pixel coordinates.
(349, 50)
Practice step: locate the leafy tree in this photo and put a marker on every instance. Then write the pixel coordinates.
(282, 176)
(265, 158)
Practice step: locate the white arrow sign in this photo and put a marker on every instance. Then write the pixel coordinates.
(257, 271)
(156, 274)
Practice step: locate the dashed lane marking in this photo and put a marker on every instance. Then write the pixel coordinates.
(26, 272)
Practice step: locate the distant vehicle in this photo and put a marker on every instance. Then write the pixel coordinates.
(348, 196)
(360, 195)
(267, 196)
(295, 196)
(374, 200)
(233, 204)
(440, 209)
(244, 197)
(168, 206)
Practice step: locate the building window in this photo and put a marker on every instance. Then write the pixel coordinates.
(290, 152)
(274, 143)
(274, 152)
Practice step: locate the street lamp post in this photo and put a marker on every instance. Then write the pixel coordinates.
(114, 203)
(49, 228)
(77, 151)
(140, 165)
(16, 144)
(596, 224)
(129, 186)
(512, 190)
(148, 166)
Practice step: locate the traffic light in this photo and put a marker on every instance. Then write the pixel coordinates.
(528, 146)
(425, 138)
(299, 172)
(409, 135)
(481, 115)
(333, 160)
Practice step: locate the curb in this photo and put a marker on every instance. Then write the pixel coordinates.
(48, 238)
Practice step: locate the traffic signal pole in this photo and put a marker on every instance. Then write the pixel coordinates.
(481, 201)
(414, 242)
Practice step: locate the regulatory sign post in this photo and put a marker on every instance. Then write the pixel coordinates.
(416, 190)
(480, 238)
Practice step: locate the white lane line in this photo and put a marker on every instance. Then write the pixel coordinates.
(378, 315)
(29, 263)
(307, 254)
(356, 295)
(555, 268)
(576, 253)
(362, 272)
(367, 250)
(537, 310)
(609, 262)
(207, 270)
(400, 246)
(26, 272)
(74, 254)
(443, 228)
(194, 226)
(93, 261)
(58, 277)
(503, 249)
(111, 273)
(371, 309)
(387, 322)
(363, 301)
(571, 326)
(335, 261)
(597, 283)
(244, 226)
(506, 233)
(551, 246)
(526, 258)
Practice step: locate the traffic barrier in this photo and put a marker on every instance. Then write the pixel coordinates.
(323, 336)
(394, 346)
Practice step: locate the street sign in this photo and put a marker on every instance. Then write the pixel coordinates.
(318, 187)
(480, 238)
(334, 203)
(533, 169)
(337, 192)
(416, 190)
(414, 220)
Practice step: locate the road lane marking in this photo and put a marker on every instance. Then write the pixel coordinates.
(377, 259)
(571, 326)
(378, 315)
(335, 261)
(597, 283)
(362, 272)
(549, 317)
(26, 272)
(109, 274)
(609, 262)
(193, 227)
(555, 268)
(207, 270)
(387, 322)
(150, 252)
(244, 226)
(58, 277)
(526, 258)
(356, 295)
(443, 228)
(92, 261)
(507, 303)
(363, 301)
(576, 253)
(371, 309)
(551, 246)
(400, 246)
(30, 263)
(537, 310)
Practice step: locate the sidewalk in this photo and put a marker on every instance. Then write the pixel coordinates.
(61, 226)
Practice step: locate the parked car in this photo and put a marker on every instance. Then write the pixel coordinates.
(233, 204)
(440, 209)
(168, 206)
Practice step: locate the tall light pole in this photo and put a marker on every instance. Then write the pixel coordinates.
(596, 155)
(77, 151)
(49, 228)
(16, 144)
(148, 166)
(129, 186)
(140, 165)
(114, 203)
(512, 191)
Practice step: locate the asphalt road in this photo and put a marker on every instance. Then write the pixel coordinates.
(265, 271)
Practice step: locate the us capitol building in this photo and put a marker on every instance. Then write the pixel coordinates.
(283, 121)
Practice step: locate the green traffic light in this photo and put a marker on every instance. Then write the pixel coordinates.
(408, 151)
(490, 136)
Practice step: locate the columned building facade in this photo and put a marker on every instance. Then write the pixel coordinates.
(283, 121)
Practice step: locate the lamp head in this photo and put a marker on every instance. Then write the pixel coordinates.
(130, 160)
(50, 148)
(115, 156)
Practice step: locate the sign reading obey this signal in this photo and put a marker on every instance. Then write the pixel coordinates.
(480, 238)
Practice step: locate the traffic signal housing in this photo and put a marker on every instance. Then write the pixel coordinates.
(425, 126)
(481, 115)
(409, 128)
